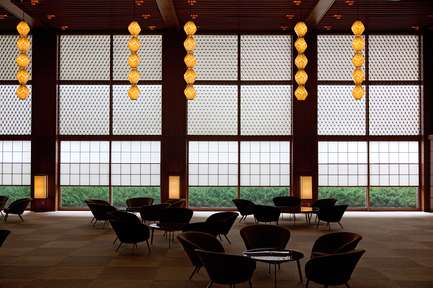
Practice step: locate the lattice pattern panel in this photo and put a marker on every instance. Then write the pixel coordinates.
(140, 117)
(394, 110)
(84, 163)
(15, 162)
(334, 57)
(9, 52)
(213, 163)
(266, 110)
(343, 163)
(84, 109)
(265, 163)
(217, 57)
(214, 111)
(394, 163)
(135, 163)
(15, 115)
(393, 57)
(266, 57)
(338, 113)
(85, 57)
(150, 53)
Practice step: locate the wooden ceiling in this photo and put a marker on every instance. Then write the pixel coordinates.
(223, 15)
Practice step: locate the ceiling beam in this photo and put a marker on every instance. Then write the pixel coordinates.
(319, 11)
(168, 13)
(17, 11)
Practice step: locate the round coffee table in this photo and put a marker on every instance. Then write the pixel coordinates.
(275, 257)
(307, 211)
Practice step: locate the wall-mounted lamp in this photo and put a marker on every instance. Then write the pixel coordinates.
(40, 186)
(174, 187)
(306, 186)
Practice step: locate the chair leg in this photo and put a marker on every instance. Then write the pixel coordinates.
(193, 272)
(228, 240)
(115, 240)
(22, 220)
(118, 247)
(250, 284)
(347, 285)
(340, 225)
(151, 237)
(318, 223)
(306, 284)
(329, 226)
(91, 221)
(148, 246)
(209, 284)
(6, 217)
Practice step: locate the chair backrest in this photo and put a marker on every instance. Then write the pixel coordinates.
(324, 203)
(205, 227)
(139, 202)
(123, 216)
(265, 236)
(101, 210)
(98, 201)
(245, 207)
(333, 269)
(152, 212)
(176, 203)
(3, 200)
(332, 214)
(3, 235)
(192, 241)
(225, 268)
(223, 220)
(337, 242)
(265, 213)
(288, 201)
(18, 206)
(176, 215)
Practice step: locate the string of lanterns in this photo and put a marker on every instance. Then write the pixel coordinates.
(23, 60)
(301, 61)
(358, 60)
(190, 61)
(134, 60)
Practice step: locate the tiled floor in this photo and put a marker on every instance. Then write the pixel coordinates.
(62, 250)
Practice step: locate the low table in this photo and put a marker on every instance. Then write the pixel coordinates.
(169, 228)
(276, 257)
(306, 210)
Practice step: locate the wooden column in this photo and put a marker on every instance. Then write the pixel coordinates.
(44, 117)
(427, 122)
(174, 109)
(304, 144)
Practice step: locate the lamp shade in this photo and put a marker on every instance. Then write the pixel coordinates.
(23, 28)
(134, 60)
(300, 45)
(40, 187)
(23, 60)
(134, 92)
(190, 28)
(134, 44)
(306, 186)
(23, 44)
(358, 92)
(358, 60)
(173, 187)
(301, 61)
(358, 76)
(22, 76)
(358, 43)
(301, 93)
(133, 76)
(301, 29)
(190, 76)
(134, 28)
(22, 92)
(190, 92)
(301, 77)
(358, 27)
(190, 60)
(189, 43)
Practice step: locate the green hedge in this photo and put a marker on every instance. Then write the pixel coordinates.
(74, 196)
(121, 193)
(211, 196)
(15, 192)
(352, 196)
(394, 197)
(263, 195)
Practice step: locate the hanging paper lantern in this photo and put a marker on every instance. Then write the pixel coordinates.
(134, 92)
(358, 43)
(134, 60)
(134, 44)
(23, 60)
(300, 45)
(22, 76)
(358, 76)
(23, 29)
(22, 92)
(189, 43)
(301, 93)
(190, 92)
(358, 92)
(190, 28)
(301, 61)
(23, 44)
(358, 27)
(134, 76)
(301, 29)
(134, 28)
(190, 60)
(301, 77)
(358, 59)
(190, 76)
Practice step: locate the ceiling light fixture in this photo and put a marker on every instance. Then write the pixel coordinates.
(190, 61)
(301, 61)
(358, 60)
(134, 60)
(23, 60)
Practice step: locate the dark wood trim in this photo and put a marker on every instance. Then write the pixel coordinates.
(17, 11)
(168, 13)
(319, 11)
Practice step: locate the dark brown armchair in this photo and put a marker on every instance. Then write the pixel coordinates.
(245, 208)
(265, 236)
(152, 213)
(192, 241)
(333, 243)
(100, 210)
(266, 214)
(332, 214)
(333, 269)
(135, 204)
(17, 207)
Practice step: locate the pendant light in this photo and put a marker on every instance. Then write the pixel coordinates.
(190, 61)
(134, 60)
(23, 60)
(358, 44)
(301, 61)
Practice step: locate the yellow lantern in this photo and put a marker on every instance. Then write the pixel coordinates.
(134, 92)
(358, 43)
(190, 60)
(133, 60)
(23, 60)
(22, 76)
(301, 61)
(358, 60)
(190, 92)
(358, 92)
(23, 44)
(301, 29)
(22, 92)
(301, 93)
(300, 45)
(23, 28)
(134, 28)
(358, 27)
(301, 77)
(358, 76)
(190, 28)
(190, 76)
(134, 44)
(134, 76)
(189, 43)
